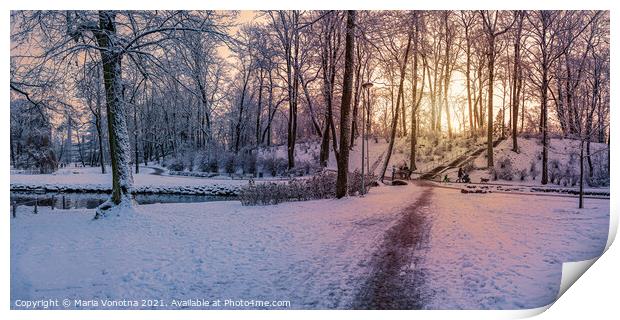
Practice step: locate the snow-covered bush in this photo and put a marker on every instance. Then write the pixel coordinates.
(206, 162)
(320, 186)
(554, 172)
(504, 169)
(569, 176)
(305, 167)
(273, 165)
(355, 182)
(228, 162)
(174, 164)
(599, 176)
(523, 174)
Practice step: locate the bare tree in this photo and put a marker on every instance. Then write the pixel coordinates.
(345, 106)
(492, 30)
(402, 66)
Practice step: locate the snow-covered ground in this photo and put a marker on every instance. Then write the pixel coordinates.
(93, 176)
(90, 179)
(313, 253)
(429, 153)
(564, 151)
(500, 251)
(484, 250)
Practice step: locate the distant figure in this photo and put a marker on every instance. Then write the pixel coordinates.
(465, 178)
(446, 179)
(460, 174)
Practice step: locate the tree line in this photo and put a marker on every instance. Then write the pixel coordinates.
(132, 86)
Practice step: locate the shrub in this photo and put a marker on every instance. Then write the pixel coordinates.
(319, 186)
(273, 165)
(354, 182)
(228, 162)
(569, 176)
(522, 174)
(504, 169)
(599, 176)
(305, 168)
(206, 162)
(554, 172)
(174, 164)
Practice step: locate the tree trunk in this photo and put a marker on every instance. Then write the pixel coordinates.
(468, 82)
(414, 107)
(240, 117)
(345, 107)
(516, 81)
(356, 97)
(100, 141)
(490, 103)
(324, 153)
(135, 138)
(480, 98)
(543, 116)
(581, 177)
(259, 107)
(115, 108)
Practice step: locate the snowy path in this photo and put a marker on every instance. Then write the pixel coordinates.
(314, 253)
(481, 251)
(415, 246)
(393, 281)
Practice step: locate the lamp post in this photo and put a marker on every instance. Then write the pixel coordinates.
(367, 87)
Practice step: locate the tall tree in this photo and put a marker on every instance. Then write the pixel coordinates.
(415, 97)
(517, 76)
(345, 106)
(492, 31)
(286, 25)
(468, 20)
(402, 69)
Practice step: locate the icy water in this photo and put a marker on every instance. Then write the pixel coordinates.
(92, 200)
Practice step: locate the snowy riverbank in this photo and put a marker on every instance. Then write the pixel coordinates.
(91, 180)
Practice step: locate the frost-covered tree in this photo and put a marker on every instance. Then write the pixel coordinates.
(116, 36)
(31, 138)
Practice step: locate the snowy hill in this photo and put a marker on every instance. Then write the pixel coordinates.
(525, 167)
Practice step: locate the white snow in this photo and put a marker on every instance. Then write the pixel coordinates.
(501, 251)
(485, 250)
(91, 180)
(530, 149)
(93, 176)
(312, 253)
